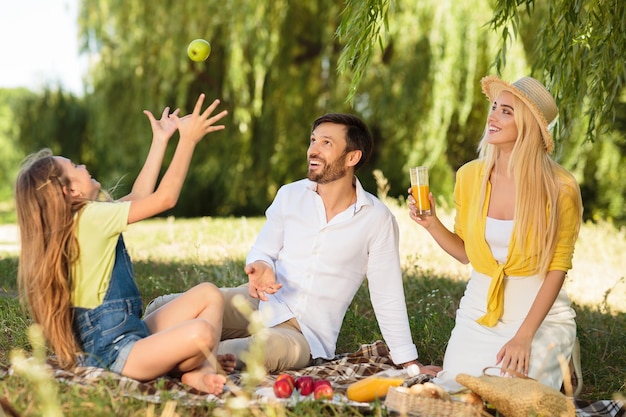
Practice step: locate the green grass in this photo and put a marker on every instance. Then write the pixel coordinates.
(7, 212)
(171, 255)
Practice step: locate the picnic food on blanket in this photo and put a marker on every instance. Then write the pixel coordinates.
(304, 384)
(376, 386)
(285, 385)
(283, 388)
(319, 382)
(520, 396)
(468, 396)
(323, 390)
(371, 388)
(289, 378)
(429, 390)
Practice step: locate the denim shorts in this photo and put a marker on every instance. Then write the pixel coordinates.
(122, 353)
(108, 332)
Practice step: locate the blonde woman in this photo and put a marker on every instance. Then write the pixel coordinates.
(76, 278)
(518, 214)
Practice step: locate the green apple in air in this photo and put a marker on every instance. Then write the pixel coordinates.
(199, 50)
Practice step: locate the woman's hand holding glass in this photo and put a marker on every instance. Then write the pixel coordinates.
(425, 221)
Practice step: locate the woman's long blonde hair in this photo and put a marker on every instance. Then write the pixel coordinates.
(538, 182)
(49, 248)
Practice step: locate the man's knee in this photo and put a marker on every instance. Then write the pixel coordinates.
(235, 321)
(286, 349)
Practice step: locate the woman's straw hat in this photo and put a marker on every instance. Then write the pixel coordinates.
(533, 94)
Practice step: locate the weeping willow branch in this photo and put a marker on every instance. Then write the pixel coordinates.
(506, 18)
(577, 55)
(360, 29)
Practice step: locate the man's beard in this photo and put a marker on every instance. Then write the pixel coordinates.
(330, 172)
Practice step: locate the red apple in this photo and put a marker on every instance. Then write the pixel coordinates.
(319, 382)
(287, 377)
(304, 384)
(283, 388)
(323, 392)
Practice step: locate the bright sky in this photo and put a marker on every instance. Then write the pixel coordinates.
(39, 45)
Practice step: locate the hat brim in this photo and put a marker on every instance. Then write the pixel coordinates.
(492, 87)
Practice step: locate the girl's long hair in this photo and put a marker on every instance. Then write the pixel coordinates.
(49, 249)
(538, 182)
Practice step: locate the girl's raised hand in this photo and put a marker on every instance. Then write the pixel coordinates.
(194, 126)
(164, 128)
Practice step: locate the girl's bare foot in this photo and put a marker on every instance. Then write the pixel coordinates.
(211, 383)
(227, 361)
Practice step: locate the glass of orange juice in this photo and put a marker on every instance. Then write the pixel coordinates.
(420, 190)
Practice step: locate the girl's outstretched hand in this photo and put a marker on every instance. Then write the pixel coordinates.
(164, 128)
(194, 126)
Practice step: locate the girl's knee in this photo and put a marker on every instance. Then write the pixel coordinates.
(210, 293)
(202, 333)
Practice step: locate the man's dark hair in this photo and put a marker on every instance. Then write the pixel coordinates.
(358, 136)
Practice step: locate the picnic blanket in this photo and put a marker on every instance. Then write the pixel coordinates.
(344, 370)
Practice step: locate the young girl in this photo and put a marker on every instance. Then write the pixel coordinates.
(76, 278)
(518, 214)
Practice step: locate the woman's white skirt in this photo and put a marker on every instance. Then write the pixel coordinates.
(472, 346)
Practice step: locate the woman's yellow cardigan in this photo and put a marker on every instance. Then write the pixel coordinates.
(470, 223)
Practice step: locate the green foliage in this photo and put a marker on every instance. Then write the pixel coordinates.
(410, 69)
(261, 64)
(10, 101)
(61, 120)
(8, 273)
(360, 29)
(259, 74)
(422, 98)
(601, 336)
(37, 372)
(28, 122)
(603, 188)
(571, 44)
(13, 324)
(576, 55)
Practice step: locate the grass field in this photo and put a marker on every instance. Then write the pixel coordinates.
(171, 255)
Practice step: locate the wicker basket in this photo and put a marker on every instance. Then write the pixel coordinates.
(413, 405)
(520, 396)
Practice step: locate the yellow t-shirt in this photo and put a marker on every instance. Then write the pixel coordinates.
(470, 223)
(98, 229)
